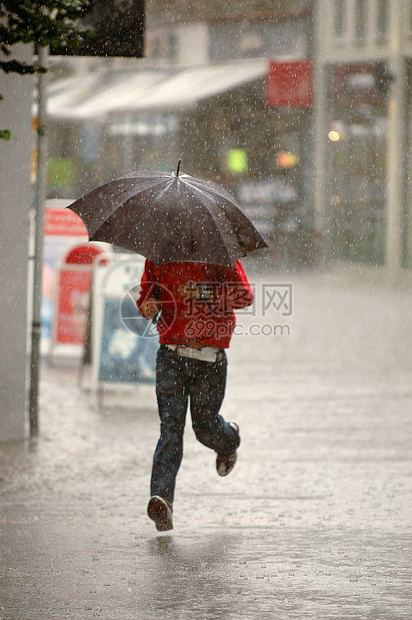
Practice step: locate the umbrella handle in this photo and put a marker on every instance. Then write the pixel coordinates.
(157, 294)
(155, 317)
(178, 167)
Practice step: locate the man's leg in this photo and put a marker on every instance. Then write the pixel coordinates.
(172, 398)
(207, 390)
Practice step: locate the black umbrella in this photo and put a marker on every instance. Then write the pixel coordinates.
(169, 217)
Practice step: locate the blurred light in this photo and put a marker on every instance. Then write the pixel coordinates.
(236, 161)
(33, 171)
(286, 160)
(60, 171)
(335, 200)
(334, 136)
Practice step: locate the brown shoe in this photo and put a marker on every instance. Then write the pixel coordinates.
(160, 511)
(225, 463)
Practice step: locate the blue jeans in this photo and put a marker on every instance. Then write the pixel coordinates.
(177, 379)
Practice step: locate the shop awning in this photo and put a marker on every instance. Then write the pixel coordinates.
(96, 95)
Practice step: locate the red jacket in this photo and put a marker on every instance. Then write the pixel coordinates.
(209, 321)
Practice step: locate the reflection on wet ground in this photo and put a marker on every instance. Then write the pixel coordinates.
(314, 522)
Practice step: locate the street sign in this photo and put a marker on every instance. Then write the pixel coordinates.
(72, 294)
(119, 355)
(289, 84)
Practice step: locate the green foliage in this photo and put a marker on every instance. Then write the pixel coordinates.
(41, 22)
(5, 134)
(44, 22)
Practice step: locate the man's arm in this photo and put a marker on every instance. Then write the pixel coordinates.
(238, 289)
(147, 305)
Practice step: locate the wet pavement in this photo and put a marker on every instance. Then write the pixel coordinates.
(313, 523)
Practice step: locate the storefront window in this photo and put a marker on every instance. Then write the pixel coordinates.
(382, 20)
(357, 148)
(410, 20)
(144, 140)
(361, 20)
(340, 18)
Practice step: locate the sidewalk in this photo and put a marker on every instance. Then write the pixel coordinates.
(313, 523)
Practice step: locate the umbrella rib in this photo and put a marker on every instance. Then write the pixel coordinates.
(124, 203)
(214, 221)
(205, 187)
(228, 199)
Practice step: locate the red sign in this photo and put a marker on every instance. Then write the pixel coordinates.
(73, 305)
(83, 254)
(73, 294)
(63, 222)
(289, 84)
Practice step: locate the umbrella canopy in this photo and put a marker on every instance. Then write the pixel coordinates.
(169, 217)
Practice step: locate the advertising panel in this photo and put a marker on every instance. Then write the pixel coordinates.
(124, 346)
(72, 305)
(73, 280)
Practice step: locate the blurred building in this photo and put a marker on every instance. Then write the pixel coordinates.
(363, 119)
(206, 94)
(299, 107)
(216, 31)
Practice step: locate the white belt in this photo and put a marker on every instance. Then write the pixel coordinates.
(205, 354)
